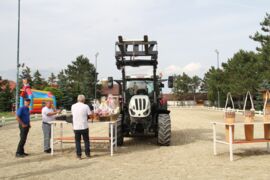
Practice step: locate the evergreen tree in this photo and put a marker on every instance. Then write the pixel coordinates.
(81, 77)
(52, 79)
(264, 38)
(38, 82)
(26, 73)
(181, 85)
(65, 88)
(6, 96)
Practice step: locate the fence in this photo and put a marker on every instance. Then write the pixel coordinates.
(188, 104)
(9, 120)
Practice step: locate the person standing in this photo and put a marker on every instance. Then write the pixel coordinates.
(23, 118)
(80, 113)
(48, 115)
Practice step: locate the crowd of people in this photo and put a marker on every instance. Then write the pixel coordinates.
(80, 115)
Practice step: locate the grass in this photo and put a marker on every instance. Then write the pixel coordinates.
(6, 114)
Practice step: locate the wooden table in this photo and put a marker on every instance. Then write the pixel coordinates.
(112, 139)
(236, 141)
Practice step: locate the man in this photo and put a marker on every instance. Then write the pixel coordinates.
(23, 118)
(48, 115)
(81, 112)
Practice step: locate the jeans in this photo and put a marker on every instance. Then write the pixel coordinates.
(23, 137)
(47, 135)
(85, 134)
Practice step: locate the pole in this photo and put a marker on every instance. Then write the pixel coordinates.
(96, 55)
(18, 56)
(218, 68)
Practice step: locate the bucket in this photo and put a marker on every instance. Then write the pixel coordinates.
(229, 117)
(249, 118)
(266, 116)
(249, 128)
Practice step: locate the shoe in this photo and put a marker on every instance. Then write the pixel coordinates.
(79, 157)
(20, 155)
(88, 156)
(48, 151)
(25, 154)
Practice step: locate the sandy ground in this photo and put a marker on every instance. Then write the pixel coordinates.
(190, 155)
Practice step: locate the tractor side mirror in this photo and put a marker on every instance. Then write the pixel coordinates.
(170, 81)
(110, 82)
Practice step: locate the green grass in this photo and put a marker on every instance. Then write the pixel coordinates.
(6, 114)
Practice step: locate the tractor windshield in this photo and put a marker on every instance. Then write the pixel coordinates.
(140, 87)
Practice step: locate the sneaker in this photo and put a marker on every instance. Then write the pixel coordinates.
(88, 156)
(48, 151)
(79, 157)
(26, 154)
(20, 155)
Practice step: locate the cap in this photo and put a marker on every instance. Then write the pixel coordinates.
(27, 99)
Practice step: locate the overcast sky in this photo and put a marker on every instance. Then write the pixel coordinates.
(54, 33)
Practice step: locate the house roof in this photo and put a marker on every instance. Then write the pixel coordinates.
(12, 84)
(114, 91)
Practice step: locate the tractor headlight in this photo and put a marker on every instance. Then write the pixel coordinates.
(132, 112)
(146, 112)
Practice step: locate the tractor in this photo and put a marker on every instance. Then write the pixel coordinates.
(142, 109)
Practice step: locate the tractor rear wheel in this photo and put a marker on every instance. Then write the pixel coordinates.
(164, 129)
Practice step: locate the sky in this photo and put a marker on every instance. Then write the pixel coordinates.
(54, 33)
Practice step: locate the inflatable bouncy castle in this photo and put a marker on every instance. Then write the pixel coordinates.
(37, 97)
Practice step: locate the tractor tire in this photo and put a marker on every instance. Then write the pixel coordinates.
(164, 130)
(120, 137)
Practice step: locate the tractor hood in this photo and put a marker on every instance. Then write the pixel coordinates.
(139, 106)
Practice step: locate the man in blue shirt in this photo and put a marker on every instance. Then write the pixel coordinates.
(23, 118)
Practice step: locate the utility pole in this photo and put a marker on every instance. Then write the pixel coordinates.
(218, 101)
(96, 55)
(18, 56)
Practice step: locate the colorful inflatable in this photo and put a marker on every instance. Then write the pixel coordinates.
(37, 97)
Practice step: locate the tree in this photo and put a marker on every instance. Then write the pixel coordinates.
(56, 92)
(6, 96)
(65, 88)
(26, 73)
(81, 75)
(52, 79)
(38, 82)
(214, 82)
(196, 83)
(181, 84)
(264, 37)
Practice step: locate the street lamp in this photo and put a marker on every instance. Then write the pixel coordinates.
(18, 56)
(96, 55)
(216, 51)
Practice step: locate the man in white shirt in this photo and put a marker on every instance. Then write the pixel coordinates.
(80, 113)
(48, 114)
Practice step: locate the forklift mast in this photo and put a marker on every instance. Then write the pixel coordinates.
(136, 53)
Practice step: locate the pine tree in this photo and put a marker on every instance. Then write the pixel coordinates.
(38, 82)
(64, 86)
(6, 96)
(26, 73)
(52, 79)
(81, 74)
(264, 37)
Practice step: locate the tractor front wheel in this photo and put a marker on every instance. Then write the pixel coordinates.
(164, 129)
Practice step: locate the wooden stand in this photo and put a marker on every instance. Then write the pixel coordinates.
(232, 141)
(230, 119)
(266, 131)
(266, 118)
(249, 129)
